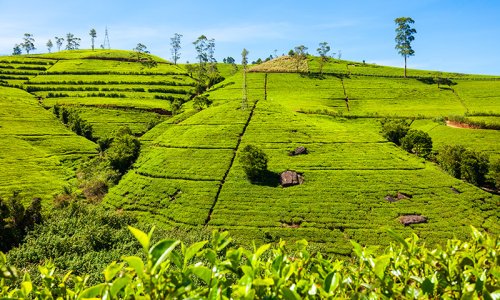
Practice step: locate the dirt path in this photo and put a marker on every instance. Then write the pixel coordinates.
(453, 124)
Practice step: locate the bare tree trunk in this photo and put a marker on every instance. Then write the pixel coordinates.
(405, 66)
(244, 100)
(265, 87)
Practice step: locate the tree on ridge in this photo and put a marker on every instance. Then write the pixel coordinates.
(175, 42)
(323, 50)
(72, 42)
(404, 37)
(93, 35)
(59, 42)
(49, 45)
(29, 43)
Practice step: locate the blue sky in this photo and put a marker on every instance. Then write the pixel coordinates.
(452, 35)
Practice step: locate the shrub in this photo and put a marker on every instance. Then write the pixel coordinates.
(123, 152)
(495, 173)
(176, 106)
(79, 237)
(95, 177)
(465, 164)
(474, 167)
(254, 162)
(418, 142)
(56, 110)
(16, 220)
(395, 129)
(449, 158)
(201, 101)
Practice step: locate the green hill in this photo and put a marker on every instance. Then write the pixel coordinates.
(188, 175)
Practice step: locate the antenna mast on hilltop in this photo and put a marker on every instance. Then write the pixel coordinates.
(106, 40)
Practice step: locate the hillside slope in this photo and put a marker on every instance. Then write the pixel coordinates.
(188, 175)
(36, 149)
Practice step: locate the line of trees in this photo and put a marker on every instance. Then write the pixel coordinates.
(460, 162)
(28, 44)
(205, 49)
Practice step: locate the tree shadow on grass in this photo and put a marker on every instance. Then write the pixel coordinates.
(267, 178)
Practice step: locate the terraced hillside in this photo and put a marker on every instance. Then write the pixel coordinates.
(189, 175)
(36, 150)
(109, 89)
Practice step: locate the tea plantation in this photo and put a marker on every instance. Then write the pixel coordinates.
(189, 176)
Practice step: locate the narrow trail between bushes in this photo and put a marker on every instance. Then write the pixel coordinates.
(235, 150)
(459, 125)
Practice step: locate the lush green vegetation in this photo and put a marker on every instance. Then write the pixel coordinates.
(188, 174)
(214, 270)
(37, 150)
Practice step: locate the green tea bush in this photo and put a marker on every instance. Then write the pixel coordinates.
(254, 162)
(213, 270)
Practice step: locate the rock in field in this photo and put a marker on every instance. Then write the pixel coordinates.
(412, 219)
(298, 151)
(289, 178)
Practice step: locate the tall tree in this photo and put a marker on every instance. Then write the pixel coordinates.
(299, 55)
(244, 62)
(16, 50)
(49, 45)
(175, 42)
(404, 37)
(93, 35)
(29, 43)
(201, 46)
(212, 72)
(72, 42)
(323, 50)
(59, 42)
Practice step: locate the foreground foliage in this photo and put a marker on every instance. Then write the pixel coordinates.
(211, 269)
(79, 237)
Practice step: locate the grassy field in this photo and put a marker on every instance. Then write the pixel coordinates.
(188, 174)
